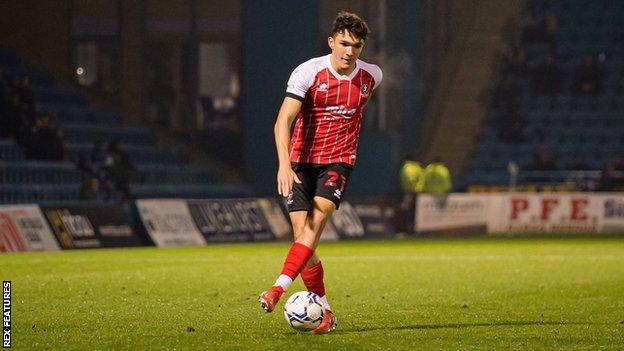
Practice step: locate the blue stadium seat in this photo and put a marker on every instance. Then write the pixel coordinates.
(176, 175)
(84, 133)
(40, 77)
(77, 114)
(10, 151)
(38, 193)
(38, 172)
(190, 191)
(9, 59)
(59, 96)
(139, 154)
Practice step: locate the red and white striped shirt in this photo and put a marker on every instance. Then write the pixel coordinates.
(327, 128)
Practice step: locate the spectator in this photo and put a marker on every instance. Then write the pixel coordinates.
(118, 168)
(90, 188)
(543, 162)
(46, 141)
(547, 78)
(97, 158)
(109, 192)
(588, 77)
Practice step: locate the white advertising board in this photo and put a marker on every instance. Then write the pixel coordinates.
(169, 222)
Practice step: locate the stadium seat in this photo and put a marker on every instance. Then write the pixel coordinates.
(10, 151)
(39, 193)
(139, 154)
(190, 190)
(84, 133)
(38, 172)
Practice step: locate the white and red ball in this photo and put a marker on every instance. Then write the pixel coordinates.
(304, 311)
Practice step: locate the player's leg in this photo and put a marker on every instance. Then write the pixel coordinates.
(307, 228)
(310, 231)
(298, 203)
(312, 275)
(330, 188)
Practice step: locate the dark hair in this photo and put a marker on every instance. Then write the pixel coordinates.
(351, 22)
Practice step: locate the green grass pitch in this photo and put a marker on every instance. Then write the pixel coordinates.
(562, 294)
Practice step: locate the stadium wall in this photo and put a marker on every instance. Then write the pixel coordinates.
(29, 27)
(276, 41)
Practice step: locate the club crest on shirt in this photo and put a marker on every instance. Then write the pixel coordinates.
(322, 87)
(365, 89)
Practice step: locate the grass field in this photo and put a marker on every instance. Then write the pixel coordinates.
(417, 294)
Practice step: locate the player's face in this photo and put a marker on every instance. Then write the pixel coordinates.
(346, 48)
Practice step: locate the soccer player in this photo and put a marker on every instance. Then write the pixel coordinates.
(326, 96)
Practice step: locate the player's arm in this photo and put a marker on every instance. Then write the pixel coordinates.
(285, 175)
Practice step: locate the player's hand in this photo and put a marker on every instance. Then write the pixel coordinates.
(285, 178)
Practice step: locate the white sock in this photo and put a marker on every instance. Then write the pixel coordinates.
(325, 303)
(284, 281)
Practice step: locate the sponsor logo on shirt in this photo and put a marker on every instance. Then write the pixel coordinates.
(322, 87)
(341, 110)
(338, 194)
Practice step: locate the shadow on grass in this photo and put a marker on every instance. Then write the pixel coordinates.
(455, 326)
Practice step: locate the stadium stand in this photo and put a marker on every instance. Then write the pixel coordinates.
(531, 112)
(153, 170)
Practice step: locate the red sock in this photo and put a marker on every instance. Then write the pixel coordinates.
(298, 256)
(313, 279)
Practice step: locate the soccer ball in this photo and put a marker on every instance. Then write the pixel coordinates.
(304, 311)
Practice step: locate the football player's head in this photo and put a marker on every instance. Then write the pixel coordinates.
(347, 39)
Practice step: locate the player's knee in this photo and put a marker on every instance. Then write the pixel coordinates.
(323, 207)
(315, 223)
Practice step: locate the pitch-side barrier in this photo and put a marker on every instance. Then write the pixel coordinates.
(177, 222)
(514, 213)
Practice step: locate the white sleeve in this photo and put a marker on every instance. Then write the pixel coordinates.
(301, 79)
(377, 75)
